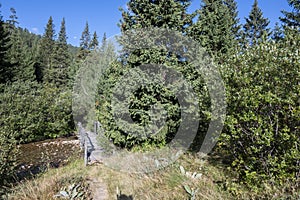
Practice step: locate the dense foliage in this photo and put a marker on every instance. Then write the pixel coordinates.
(35, 92)
(262, 127)
(8, 156)
(261, 74)
(34, 112)
(261, 134)
(142, 15)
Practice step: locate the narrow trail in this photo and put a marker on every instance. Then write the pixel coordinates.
(98, 189)
(93, 154)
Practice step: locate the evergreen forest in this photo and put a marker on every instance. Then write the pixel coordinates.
(259, 65)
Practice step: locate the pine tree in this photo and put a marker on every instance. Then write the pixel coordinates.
(13, 19)
(170, 14)
(15, 52)
(277, 33)
(19, 53)
(149, 22)
(6, 68)
(107, 48)
(85, 37)
(103, 42)
(217, 27)
(235, 20)
(46, 49)
(61, 58)
(256, 25)
(94, 42)
(292, 19)
(84, 43)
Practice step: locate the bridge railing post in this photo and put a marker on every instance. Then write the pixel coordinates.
(95, 127)
(83, 142)
(85, 153)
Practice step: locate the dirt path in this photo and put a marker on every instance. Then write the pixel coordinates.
(97, 186)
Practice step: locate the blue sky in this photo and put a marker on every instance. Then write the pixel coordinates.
(103, 15)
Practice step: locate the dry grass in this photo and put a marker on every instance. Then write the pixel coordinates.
(48, 184)
(164, 184)
(106, 183)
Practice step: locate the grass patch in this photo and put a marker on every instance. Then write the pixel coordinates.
(48, 184)
(215, 182)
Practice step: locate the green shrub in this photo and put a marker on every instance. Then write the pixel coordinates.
(8, 154)
(262, 131)
(35, 112)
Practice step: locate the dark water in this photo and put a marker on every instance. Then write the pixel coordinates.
(38, 156)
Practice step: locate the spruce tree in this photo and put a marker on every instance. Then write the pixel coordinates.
(103, 42)
(292, 19)
(94, 42)
(13, 19)
(235, 20)
(46, 49)
(149, 22)
(277, 33)
(217, 27)
(256, 25)
(85, 41)
(61, 58)
(15, 52)
(19, 53)
(170, 14)
(6, 68)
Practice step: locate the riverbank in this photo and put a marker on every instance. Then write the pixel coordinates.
(35, 157)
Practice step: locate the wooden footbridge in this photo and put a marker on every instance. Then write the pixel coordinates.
(88, 142)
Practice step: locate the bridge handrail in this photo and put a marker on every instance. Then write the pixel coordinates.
(82, 135)
(85, 140)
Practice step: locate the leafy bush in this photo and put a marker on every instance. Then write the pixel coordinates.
(8, 153)
(35, 112)
(262, 128)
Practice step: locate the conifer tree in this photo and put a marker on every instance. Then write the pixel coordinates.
(292, 19)
(6, 68)
(85, 41)
(15, 51)
(19, 53)
(256, 25)
(235, 20)
(217, 27)
(46, 49)
(152, 22)
(61, 58)
(103, 42)
(170, 14)
(94, 42)
(13, 19)
(277, 33)
(107, 47)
